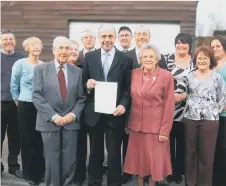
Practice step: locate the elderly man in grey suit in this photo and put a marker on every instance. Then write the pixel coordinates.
(58, 97)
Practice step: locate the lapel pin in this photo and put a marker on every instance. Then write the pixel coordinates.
(154, 78)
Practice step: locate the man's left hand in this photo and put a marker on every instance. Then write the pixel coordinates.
(68, 118)
(120, 110)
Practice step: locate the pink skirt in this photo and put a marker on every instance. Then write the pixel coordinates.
(147, 156)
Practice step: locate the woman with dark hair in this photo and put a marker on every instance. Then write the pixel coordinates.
(206, 100)
(218, 44)
(179, 64)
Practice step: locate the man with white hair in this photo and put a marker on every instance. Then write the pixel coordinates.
(58, 97)
(109, 65)
(88, 39)
(141, 36)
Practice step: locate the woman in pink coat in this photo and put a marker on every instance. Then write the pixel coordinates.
(151, 118)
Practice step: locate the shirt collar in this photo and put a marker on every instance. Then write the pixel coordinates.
(57, 65)
(85, 50)
(5, 52)
(111, 52)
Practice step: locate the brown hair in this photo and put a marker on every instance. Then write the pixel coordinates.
(208, 51)
(221, 39)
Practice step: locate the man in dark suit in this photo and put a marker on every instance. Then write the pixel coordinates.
(110, 65)
(9, 122)
(142, 36)
(59, 100)
(89, 40)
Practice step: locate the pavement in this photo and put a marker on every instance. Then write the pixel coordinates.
(9, 180)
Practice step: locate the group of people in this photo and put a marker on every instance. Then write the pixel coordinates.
(169, 121)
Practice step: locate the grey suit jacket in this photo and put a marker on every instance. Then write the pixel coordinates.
(47, 97)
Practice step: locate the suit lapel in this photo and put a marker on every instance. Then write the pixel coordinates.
(99, 64)
(115, 61)
(153, 79)
(54, 79)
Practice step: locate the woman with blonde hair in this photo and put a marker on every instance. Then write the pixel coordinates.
(33, 165)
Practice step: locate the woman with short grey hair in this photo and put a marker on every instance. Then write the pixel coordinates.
(151, 118)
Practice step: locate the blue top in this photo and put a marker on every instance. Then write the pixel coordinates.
(223, 73)
(21, 80)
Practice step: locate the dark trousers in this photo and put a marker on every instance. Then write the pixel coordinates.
(60, 151)
(113, 144)
(177, 148)
(9, 123)
(80, 173)
(200, 142)
(219, 170)
(125, 139)
(33, 164)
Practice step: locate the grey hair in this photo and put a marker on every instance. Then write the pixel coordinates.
(74, 42)
(143, 28)
(59, 39)
(149, 46)
(105, 27)
(88, 32)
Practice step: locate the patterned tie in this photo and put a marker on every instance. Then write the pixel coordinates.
(105, 66)
(62, 83)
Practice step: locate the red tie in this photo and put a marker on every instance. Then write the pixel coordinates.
(62, 83)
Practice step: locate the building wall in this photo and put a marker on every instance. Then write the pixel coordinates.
(47, 20)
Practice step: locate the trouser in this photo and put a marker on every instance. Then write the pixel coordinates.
(60, 151)
(113, 143)
(200, 142)
(33, 164)
(9, 123)
(80, 173)
(177, 148)
(219, 170)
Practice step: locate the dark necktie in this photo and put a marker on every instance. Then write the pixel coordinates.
(62, 83)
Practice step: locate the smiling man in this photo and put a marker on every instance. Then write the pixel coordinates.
(142, 35)
(8, 107)
(110, 65)
(58, 98)
(125, 38)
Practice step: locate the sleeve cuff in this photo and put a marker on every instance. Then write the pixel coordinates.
(54, 117)
(74, 116)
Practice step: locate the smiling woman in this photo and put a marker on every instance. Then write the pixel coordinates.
(206, 100)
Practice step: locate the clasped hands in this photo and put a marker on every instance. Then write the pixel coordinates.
(61, 121)
(120, 110)
(180, 97)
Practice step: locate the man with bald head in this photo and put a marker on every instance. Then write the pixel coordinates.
(58, 97)
(109, 65)
(142, 36)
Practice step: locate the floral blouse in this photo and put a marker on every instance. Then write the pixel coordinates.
(206, 98)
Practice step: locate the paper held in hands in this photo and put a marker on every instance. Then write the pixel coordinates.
(105, 97)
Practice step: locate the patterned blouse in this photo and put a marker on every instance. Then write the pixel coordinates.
(21, 80)
(180, 86)
(206, 98)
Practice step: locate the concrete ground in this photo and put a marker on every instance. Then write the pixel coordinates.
(9, 180)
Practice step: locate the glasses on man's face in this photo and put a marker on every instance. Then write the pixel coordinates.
(124, 35)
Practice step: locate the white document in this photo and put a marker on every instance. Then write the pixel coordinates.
(105, 97)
